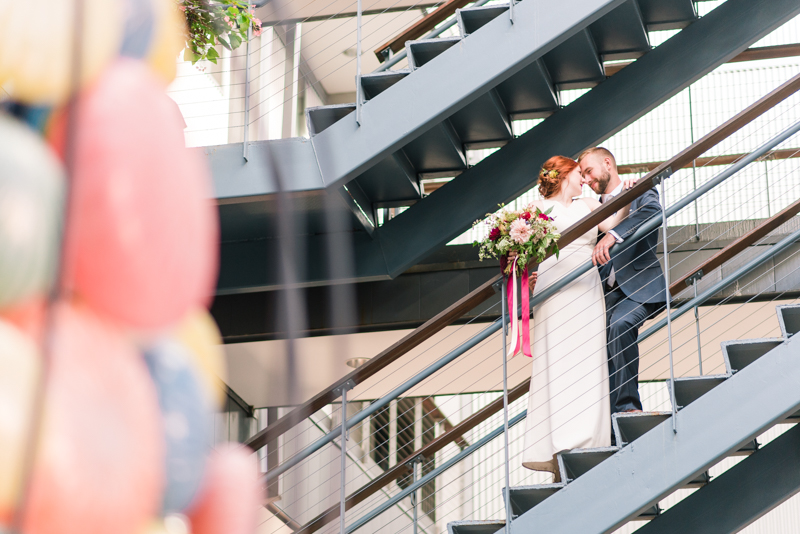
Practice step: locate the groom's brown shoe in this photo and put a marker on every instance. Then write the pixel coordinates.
(633, 411)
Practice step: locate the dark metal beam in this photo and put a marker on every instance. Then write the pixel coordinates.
(603, 111)
(740, 495)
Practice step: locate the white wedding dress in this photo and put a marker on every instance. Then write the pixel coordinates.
(568, 405)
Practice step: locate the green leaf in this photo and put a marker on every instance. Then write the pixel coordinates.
(212, 55)
(235, 40)
(232, 11)
(224, 43)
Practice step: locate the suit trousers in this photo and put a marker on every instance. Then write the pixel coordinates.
(624, 317)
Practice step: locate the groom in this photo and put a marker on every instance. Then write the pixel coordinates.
(632, 278)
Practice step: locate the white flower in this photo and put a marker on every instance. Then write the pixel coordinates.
(520, 232)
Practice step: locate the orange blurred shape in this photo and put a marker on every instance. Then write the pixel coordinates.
(231, 494)
(19, 372)
(141, 242)
(98, 468)
(28, 316)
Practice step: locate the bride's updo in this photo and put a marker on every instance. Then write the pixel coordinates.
(553, 172)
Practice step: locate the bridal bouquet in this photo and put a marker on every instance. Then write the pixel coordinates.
(528, 232)
(532, 235)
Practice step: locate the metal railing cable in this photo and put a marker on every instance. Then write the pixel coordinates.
(742, 271)
(676, 207)
(679, 161)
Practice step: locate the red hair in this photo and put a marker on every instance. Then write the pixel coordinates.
(553, 172)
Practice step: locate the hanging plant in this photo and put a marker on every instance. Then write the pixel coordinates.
(223, 22)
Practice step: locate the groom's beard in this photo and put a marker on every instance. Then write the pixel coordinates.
(599, 186)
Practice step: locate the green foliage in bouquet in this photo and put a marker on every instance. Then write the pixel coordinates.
(529, 232)
(224, 22)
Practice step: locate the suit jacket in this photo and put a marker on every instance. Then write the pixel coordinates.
(636, 268)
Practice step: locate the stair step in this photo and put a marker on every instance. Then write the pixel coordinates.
(437, 150)
(321, 117)
(530, 93)
(621, 34)
(631, 426)
(523, 498)
(475, 527)
(688, 390)
(578, 462)
(483, 123)
(472, 19)
(699, 481)
(668, 14)
(421, 52)
(377, 82)
(741, 353)
(789, 318)
(575, 63)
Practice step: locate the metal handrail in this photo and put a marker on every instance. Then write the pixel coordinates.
(697, 301)
(551, 290)
(486, 291)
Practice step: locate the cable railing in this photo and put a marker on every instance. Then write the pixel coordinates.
(402, 468)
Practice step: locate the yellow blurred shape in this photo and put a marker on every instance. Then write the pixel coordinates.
(199, 333)
(168, 40)
(19, 370)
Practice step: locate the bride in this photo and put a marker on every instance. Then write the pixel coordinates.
(568, 404)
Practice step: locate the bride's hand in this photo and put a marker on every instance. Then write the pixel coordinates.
(532, 281)
(627, 183)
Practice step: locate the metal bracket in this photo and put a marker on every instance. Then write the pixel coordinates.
(498, 286)
(347, 386)
(663, 175)
(694, 278)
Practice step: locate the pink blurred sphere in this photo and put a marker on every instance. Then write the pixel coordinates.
(99, 463)
(231, 494)
(141, 240)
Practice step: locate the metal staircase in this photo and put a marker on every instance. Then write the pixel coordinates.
(719, 416)
(458, 94)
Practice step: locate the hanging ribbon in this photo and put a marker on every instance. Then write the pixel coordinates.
(525, 330)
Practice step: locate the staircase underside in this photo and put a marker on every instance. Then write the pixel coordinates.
(247, 192)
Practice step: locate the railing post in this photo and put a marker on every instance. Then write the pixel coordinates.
(511, 11)
(358, 65)
(692, 281)
(416, 464)
(343, 468)
(247, 93)
(656, 181)
(503, 305)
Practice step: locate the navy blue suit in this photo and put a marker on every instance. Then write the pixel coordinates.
(638, 293)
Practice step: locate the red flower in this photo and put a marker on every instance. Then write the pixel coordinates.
(494, 235)
(543, 216)
(525, 215)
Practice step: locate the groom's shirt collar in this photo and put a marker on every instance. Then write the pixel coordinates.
(617, 190)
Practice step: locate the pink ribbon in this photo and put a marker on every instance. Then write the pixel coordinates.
(525, 343)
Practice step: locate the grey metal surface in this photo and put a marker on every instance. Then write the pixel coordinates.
(689, 389)
(637, 477)
(629, 427)
(523, 498)
(668, 14)
(426, 50)
(576, 63)
(740, 495)
(621, 34)
(578, 462)
(449, 82)
(656, 76)
(789, 319)
(483, 123)
(475, 527)
(438, 149)
(471, 19)
(320, 118)
(740, 353)
(377, 82)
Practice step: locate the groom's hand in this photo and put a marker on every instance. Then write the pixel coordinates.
(600, 255)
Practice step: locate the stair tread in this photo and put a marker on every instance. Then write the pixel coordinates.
(689, 389)
(377, 82)
(422, 51)
(577, 462)
(473, 18)
(740, 353)
(321, 117)
(477, 526)
(630, 426)
(789, 319)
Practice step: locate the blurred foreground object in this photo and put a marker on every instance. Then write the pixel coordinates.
(19, 370)
(31, 208)
(99, 465)
(199, 333)
(231, 495)
(186, 418)
(38, 65)
(141, 244)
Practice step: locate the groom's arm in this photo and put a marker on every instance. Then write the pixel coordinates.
(649, 206)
